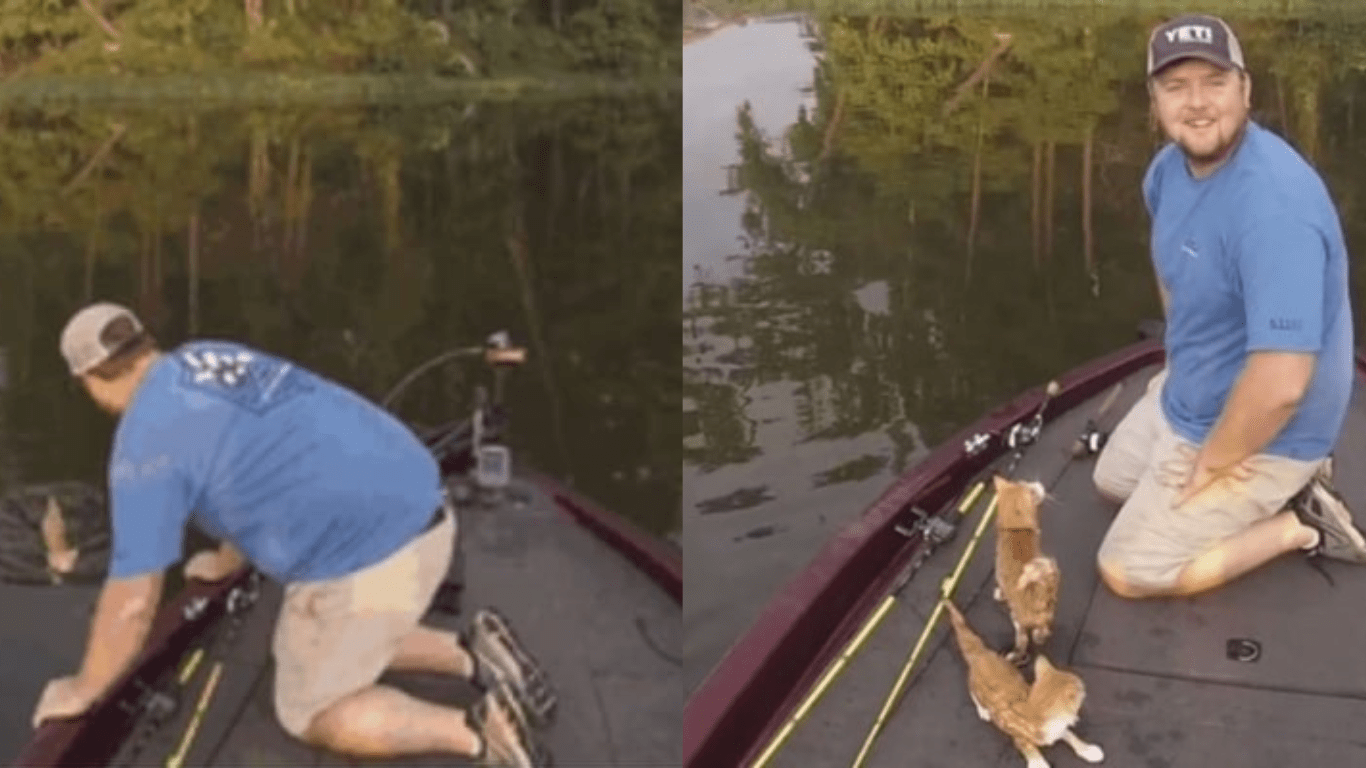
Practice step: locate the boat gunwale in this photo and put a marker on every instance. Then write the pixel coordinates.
(749, 694)
(648, 553)
(67, 742)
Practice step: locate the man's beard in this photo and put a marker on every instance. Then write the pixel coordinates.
(1221, 151)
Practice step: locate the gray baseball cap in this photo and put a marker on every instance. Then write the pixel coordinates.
(1194, 36)
(85, 340)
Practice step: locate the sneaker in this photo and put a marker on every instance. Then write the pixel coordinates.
(503, 732)
(1322, 508)
(502, 659)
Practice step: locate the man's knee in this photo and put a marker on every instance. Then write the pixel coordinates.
(1110, 487)
(1135, 583)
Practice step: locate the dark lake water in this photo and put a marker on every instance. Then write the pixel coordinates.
(875, 255)
(362, 242)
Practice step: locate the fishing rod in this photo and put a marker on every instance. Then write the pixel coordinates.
(158, 702)
(1022, 437)
(934, 531)
(1019, 438)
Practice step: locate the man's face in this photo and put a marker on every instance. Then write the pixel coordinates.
(105, 394)
(1202, 107)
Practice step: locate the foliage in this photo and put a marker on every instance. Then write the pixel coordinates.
(873, 189)
(363, 243)
(472, 38)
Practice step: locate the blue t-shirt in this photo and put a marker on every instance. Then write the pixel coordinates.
(1253, 258)
(308, 479)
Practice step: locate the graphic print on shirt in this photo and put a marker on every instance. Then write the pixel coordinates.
(247, 378)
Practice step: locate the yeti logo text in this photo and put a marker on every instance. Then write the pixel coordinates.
(1191, 34)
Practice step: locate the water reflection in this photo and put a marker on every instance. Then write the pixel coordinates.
(954, 216)
(363, 242)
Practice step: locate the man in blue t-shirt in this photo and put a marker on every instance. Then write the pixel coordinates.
(1224, 464)
(318, 489)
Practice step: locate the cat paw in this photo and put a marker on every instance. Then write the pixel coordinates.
(1091, 753)
(1038, 762)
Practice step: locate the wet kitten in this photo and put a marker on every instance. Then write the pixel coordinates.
(1032, 716)
(1026, 578)
(61, 556)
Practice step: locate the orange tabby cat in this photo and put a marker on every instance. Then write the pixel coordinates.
(1026, 579)
(61, 556)
(1032, 716)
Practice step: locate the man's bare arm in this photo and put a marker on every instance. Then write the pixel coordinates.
(1262, 402)
(123, 620)
(230, 557)
(1162, 293)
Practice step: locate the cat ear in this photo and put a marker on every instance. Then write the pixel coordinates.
(1000, 482)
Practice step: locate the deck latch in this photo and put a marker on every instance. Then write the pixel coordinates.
(1244, 649)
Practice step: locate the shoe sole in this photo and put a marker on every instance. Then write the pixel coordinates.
(528, 752)
(1332, 513)
(510, 662)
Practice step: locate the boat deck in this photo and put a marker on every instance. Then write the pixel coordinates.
(1162, 690)
(608, 636)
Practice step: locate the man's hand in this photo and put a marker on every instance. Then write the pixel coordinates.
(1202, 476)
(63, 697)
(208, 566)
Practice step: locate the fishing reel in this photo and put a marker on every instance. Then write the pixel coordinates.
(1090, 441)
(243, 596)
(1024, 434)
(933, 531)
(155, 703)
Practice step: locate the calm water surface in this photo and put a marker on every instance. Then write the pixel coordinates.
(362, 242)
(874, 255)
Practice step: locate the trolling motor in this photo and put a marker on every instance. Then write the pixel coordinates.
(493, 461)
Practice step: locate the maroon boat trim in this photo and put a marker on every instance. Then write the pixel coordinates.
(661, 563)
(733, 714)
(94, 738)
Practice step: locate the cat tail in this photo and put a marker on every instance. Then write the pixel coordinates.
(968, 641)
(1039, 578)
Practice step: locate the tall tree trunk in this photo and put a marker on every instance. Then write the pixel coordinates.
(192, 247)
(1088, 247)
(977, 179)
(258, 187)
(1307, 114)
(92, 246)
(832, 127)
(255, 12)
(1050, 163)
(1035, 207)
(518, 244)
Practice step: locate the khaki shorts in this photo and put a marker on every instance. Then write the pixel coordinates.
(1145, 462)
(337, 636)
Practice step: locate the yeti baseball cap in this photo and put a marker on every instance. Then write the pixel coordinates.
(1194, 36)
(94, 334)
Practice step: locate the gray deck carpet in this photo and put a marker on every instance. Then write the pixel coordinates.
(609, 637)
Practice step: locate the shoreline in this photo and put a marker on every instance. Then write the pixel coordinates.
(274, 88)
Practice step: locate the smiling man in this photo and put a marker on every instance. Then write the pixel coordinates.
(1224, 464)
